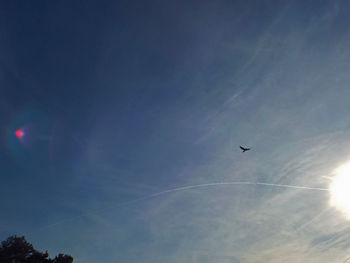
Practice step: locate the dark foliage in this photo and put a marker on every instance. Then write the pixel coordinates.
(18, 250)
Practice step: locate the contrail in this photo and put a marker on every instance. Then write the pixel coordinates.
(177, 189)
(237, 183)
(295, 186)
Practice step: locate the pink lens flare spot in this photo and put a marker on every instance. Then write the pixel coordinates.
(19, 133)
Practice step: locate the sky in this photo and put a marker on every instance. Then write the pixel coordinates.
(132, 115)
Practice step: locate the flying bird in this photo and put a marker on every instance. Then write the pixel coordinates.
(244, 149)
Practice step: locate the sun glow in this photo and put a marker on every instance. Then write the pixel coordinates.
(340, 189)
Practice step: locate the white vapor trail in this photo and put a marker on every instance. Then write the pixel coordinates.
(237, 183)
(295, 186)
(177, 189)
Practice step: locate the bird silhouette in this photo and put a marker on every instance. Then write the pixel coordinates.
(244, 149)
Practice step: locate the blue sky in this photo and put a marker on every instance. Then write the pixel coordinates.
(121, 101)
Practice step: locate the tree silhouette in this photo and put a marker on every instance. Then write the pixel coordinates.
(18, 250)
(63, 259)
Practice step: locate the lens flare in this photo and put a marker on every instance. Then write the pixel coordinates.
(340, 189)
(19, 133)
